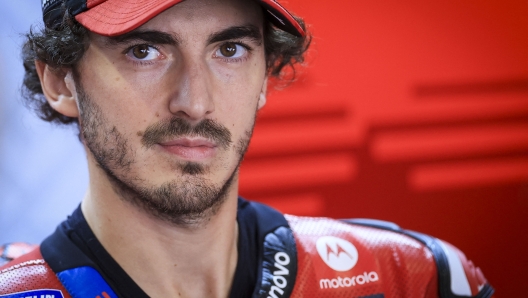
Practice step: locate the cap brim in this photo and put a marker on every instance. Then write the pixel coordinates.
(282, 18)
(116, 17)
(112, 18)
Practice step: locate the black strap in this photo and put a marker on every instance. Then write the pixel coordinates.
(278, 259)
(61, 254)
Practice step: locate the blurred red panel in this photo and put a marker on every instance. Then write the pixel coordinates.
(392, 85)
(449, 142)
(468, 174)
(295, 172)
(515, 85)
(454, 108)
(301, 136)
(293, 106)
(305, 204)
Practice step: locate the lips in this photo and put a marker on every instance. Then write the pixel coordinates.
(190, 149)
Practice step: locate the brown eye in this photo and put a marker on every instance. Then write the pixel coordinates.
(228, 49)
(141, 51)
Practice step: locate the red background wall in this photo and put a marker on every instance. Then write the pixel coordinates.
(410, 111)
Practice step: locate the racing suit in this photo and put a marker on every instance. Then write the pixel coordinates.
(279, 256)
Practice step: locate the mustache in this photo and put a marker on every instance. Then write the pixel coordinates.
(178, 127)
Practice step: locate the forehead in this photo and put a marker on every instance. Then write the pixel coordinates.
(195, 16)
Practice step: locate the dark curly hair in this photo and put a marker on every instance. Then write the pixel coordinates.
(65, 46)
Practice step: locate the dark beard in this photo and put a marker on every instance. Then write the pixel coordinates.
(182, 203)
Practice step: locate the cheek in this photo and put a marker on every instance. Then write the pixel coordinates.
(239, 89)
(130, 102)
(240, 112)
(237, 104)
(240, 117)
(119, 89)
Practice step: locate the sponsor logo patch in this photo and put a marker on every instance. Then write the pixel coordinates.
(347, 282)
(43, 293)
(280, 281)
(343, 266)
(337, 253)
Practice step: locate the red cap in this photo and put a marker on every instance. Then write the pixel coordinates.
(116, 17)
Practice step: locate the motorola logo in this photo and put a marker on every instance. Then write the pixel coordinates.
(337, 253)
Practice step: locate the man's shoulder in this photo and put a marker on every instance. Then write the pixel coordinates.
(27, 272)
(19, 266)
(365, 255)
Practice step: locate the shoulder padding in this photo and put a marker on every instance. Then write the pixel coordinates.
(30, 275)
(278, 255)
(457, 276)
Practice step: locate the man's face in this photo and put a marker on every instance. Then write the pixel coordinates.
(167, 110)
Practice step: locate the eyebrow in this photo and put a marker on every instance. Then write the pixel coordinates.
(149, 36)
(237, 32)
(159, 37)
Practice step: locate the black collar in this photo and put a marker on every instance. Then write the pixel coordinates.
(264, 239)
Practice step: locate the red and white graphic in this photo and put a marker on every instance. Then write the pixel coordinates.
(466, 279)
(337, 253)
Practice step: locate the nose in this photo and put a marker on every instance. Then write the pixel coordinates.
(193, 98)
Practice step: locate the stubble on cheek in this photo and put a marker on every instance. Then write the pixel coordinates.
(108, 146)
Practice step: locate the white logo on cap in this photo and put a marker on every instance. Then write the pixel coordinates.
(337, 253)
(278, 19)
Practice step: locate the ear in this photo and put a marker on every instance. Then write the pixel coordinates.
(58, 87)
(263, 93)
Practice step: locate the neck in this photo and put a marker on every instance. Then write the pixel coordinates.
(165, 259)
